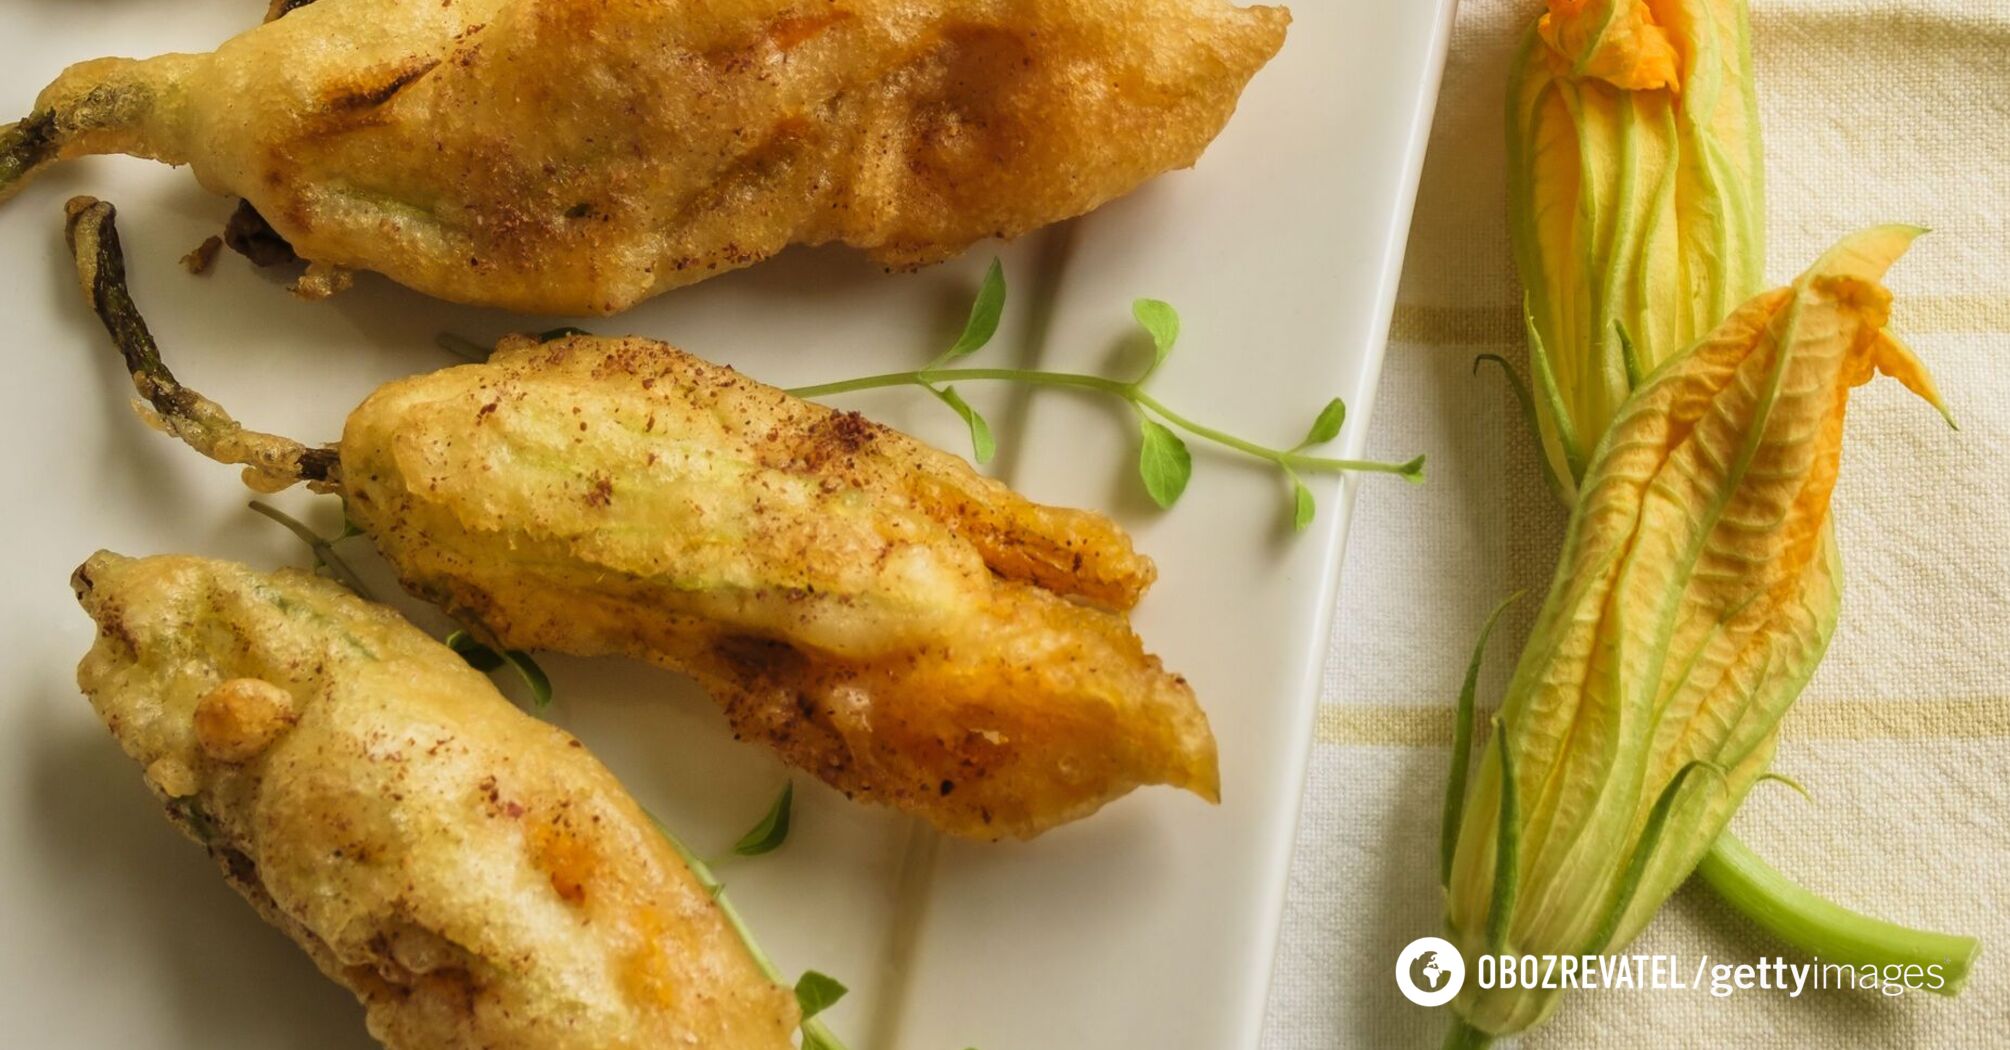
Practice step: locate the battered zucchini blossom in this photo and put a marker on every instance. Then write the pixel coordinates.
(470, 873)
(873, 609)
(579, 156)
(1697, 590)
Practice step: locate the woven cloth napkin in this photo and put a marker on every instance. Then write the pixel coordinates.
(1874, 111)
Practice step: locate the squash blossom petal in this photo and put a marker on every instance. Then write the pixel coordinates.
(1697, 590)
(1636, 198)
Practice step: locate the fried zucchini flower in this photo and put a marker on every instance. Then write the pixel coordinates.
(579, 156)
(880, 614)
(1636, 199)
(470, 873)
(1698, 589)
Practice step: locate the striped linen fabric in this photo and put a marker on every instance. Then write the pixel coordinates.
(1874, 111)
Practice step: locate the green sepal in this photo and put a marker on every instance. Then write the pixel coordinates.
(1643, 852)
(1462, 746)
(1552, 397)
(1527, 403)
(1507, 850)
(1629, 357)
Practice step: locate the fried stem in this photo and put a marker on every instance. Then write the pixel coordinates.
(281, 8)
(271, 462)
(25, 145)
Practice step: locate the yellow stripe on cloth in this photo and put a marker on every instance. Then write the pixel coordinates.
(1415, 725)
(1501, 325)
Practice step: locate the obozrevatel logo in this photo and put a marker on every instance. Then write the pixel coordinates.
(1430, 971)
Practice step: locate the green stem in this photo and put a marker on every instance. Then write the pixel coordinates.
(1828, 931)
(1464, 1036)
(931, 376)
(1289, 459)
(323, 548)
(815, 1032)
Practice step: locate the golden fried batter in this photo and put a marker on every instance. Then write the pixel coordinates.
(883, 616)
(470, 873)
(578, 156)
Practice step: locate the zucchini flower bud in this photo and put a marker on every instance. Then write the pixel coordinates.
(1636, 199)
(1698, 589)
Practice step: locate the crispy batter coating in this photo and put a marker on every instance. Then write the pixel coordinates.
(470, 873)
(883, 616)
(872, 608)
(578, 156)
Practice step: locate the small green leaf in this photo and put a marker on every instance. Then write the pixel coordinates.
(479, 656)
(817, 992)
(814, 1039)
(773, 830)
(1164, 463)
(561, 333)
(532, 675)
(1162, 321)
(981, 441)
(984, 314)
(1302, 505)
(1327, 426)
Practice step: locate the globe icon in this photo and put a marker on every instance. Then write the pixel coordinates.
(1430, 971)
(1426, 974)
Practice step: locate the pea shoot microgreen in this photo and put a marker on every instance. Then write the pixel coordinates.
(484, 659)
(773, 830)
(326, 561)
(1164, 463)
(816, 992)
(813, 989)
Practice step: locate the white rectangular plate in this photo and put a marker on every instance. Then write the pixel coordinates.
(1150, 925)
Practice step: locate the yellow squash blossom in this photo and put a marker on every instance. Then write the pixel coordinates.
(1636, 198)
(1698, 588)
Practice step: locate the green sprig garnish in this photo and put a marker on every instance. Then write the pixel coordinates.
(485, 659)
(1164, 463)
(985, 313)
(816, 992)
(773, 830)
(478, 656)
(820, 988)
(326, 560)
